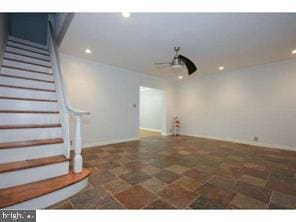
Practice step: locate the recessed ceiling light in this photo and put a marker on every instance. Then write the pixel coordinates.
(88, 51)
(221, 68)
(180, 77)
(293, 51)
(126, 14)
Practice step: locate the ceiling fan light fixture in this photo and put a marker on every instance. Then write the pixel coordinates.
(126, 14)
(177, 66)
(87, 51)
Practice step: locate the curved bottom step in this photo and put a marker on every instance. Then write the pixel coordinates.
(43, 193)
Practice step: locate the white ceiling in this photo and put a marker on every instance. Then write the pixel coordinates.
(209, 39)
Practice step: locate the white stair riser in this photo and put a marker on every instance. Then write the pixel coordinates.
(14, 92)
(24, 52)
(25, 47)
(27, 74)
(32, 152)
(27, 118)
(51, 198)
(20, 177)
(27, 105)
(26, 83)
(26, 66)
(26, 59)
(12, 135)
(26, 42)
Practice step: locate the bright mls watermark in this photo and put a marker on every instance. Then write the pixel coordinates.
(17, 215)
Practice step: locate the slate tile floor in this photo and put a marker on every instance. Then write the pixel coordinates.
(185, 172)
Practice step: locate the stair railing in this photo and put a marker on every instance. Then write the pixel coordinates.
(66, 107)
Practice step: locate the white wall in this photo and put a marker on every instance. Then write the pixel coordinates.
(151, 108)
(258, 101)
(109, 94)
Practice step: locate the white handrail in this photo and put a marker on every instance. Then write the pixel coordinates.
(68, 106)
(77, 162)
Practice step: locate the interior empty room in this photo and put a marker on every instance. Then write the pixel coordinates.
(148, 111)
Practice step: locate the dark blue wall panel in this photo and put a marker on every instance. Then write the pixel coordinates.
(29, 26)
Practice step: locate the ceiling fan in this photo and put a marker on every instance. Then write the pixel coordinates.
(179, 61)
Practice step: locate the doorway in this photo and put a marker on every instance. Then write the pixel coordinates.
(152, 112)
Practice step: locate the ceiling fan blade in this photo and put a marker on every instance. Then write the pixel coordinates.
(188, 63)
(162, 63)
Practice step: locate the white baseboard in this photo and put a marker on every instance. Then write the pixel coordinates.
(273, 146)
(149, 129)
(108, 142)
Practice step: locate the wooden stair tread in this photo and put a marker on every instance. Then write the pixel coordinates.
(29, 99)
(28, 56)
(28, 143)
(26, 78)
(26, 62)
(26, 126)
(18, 194)
(45, 53)
(28, 44)
(28, 70)
(29, 111)
(27, 88)
(20, 165)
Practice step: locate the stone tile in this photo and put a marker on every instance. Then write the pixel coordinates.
(282, 187)
(159, 204)
(186, 162)
(135, 197)
(108, 165)
(177, 196)
(253, 180)
(188, 183)
(216, 195)
(282, 200)
(231, 170)
(256, 192)
(112, 205)
(91, 199)
(255, 166)
(282, 175)
(66, 204)
(100, 178)
(177, 169)
(243, 202)
(167, 176)
(117, 186)
(135, 177)
(153, 184)
(150, 170)
(120, 171)
(93, 163)
(224, 182)
(206, 168)
(263, 174)
(196, 175)
(203, 203)
(134, 165)
(162, 164)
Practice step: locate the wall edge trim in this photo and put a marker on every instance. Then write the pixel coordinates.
(264, 145)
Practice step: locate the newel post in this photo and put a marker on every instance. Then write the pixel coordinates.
(77, 164)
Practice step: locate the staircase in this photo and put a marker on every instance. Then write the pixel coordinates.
(34, 129)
